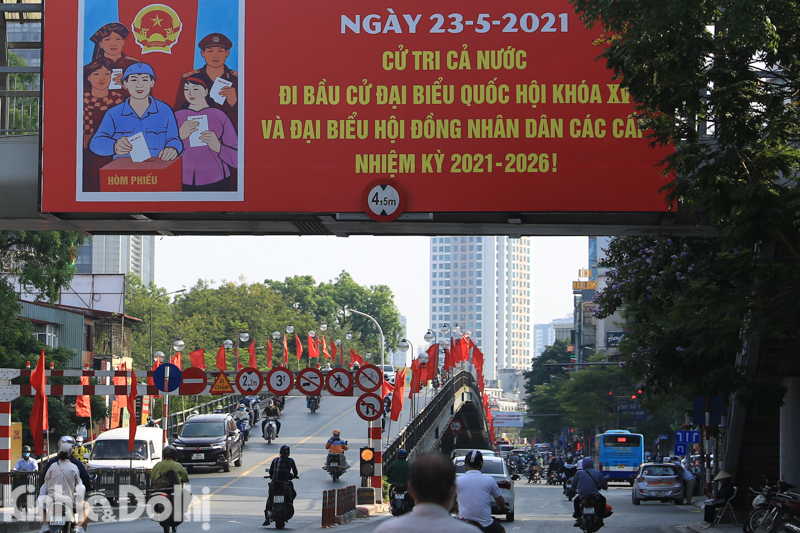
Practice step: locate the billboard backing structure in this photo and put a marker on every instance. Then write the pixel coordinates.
(208, 106)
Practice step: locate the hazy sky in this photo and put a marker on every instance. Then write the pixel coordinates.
(402, 263)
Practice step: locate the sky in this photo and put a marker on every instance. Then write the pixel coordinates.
(402, 263)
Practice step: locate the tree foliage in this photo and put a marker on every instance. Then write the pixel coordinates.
(718, 81)
(205, 316)
(540, 374)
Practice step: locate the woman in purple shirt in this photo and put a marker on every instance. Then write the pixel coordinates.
(207, 167)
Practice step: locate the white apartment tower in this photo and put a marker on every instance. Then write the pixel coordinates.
(483, 284)
(118, 254)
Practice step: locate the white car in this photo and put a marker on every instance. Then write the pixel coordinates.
(464, 451)
(389, 374)
(495, 467)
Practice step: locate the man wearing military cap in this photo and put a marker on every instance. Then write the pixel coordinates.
(215, 49)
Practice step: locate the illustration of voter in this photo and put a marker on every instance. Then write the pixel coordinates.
(97, 99)
(223, 82)
(210, 143)
(141, 127)
(109, 41)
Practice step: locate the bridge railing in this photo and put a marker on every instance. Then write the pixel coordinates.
(415, 430)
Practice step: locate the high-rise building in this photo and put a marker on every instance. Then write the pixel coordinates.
(118, 254)
(545, 335)
(483, 284)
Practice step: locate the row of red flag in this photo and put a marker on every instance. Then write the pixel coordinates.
(316, 348)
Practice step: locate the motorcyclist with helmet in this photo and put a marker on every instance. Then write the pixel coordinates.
(589, 481)
(158, 476)
(61, 483)
(271, 410)
(335, 444)
(283, 469)
(400, 470)
(474, 492)
(81, 450)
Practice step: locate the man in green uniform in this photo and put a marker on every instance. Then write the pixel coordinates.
(399, 471)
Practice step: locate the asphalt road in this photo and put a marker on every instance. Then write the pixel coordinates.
(228, 502)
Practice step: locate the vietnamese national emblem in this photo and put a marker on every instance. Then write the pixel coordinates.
(156, 28)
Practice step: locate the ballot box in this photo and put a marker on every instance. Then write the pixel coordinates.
(153, 175)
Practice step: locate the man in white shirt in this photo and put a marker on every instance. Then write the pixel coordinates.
(432, 485)
(474, 491)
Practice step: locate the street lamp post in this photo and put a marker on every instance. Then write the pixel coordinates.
(275, 335)
(403, 346)
(289, 330)
(379, 330)
(348, 337)
(152, 303)
(178, 345)
(423, 359)
(242, 336)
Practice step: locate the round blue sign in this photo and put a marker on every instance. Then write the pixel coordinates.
(163, 383)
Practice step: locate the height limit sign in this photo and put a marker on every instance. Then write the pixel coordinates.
(383, 200)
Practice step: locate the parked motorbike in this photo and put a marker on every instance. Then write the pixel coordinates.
(336, 465)
(401, 499)
(270, 430)
(244, 427)
(590, 520)
(784, 515)
(313, 403)
(280, 502)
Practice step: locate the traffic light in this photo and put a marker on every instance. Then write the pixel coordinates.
(633, 396)
(639, 391)
(367, 458)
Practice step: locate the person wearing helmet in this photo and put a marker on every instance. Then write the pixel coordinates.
(271, 410)
(26, 464)
(283, 468)
(159, 478)
(400, 470)
(65, 444)
(62, 483)
(218, 409)
(81, 450)
(335, 444)
(474, 492)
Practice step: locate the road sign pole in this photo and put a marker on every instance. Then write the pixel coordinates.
(165, 414)
(374, 439)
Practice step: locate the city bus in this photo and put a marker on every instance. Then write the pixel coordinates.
(618, 454)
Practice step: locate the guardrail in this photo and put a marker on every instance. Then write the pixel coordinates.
(413, 432)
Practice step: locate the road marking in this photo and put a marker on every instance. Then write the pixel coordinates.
(265, 461)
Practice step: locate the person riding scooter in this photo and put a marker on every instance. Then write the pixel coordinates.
(62, 484)
(283, 469)
(271, 410)
(158, 476)
(336, 445)
(242, 418)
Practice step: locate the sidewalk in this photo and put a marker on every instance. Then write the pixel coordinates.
(701, 527)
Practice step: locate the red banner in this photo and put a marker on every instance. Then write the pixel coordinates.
(467, 106)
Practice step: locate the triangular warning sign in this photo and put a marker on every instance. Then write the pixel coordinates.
(222, 385)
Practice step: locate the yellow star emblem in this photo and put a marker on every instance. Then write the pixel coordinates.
(156, 21)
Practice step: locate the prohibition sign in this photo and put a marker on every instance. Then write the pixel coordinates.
(383, 200)
(280, 381)
(310, 381)
(194, 381)
(455, 426)
(369, 378)
(163, 383)
(369, 406)
(339, 382)
(249, 381)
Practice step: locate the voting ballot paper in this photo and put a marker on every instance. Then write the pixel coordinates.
(113, 84)
(219, 84)
(140, 151)
(194, 138)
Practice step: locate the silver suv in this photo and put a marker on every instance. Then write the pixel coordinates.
(389, 374)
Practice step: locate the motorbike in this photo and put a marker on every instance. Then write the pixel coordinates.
(244, 426)
(761, 505)
(61, 518)
(552, 477)
(533, 475)
(784, 515)
(270, 430)
(170, 519)
(590, 520)
(280, 402)
(280, 502)
(566, 477)
(313, 403)
(336, 465)
(400, 497)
